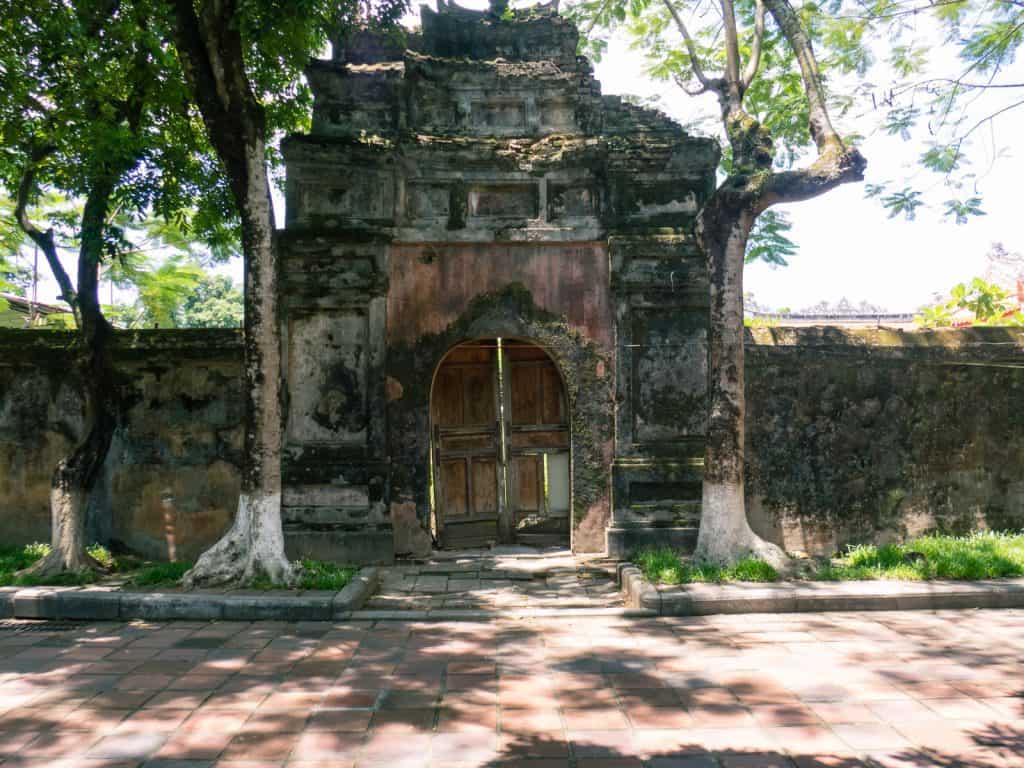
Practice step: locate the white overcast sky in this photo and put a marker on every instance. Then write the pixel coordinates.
(848, 247)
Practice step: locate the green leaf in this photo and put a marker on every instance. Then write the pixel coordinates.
(905, 202)
(769, 240)
(961, 210)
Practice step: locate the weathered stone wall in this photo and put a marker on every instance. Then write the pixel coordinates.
(170, 485)
(852, 435)
(857, 436)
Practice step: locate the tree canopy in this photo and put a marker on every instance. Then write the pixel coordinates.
(940, 76)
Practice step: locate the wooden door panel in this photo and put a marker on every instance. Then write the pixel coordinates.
(485, 487)
(454, 491)
(478, 396)
(538, 441)
(546, 439)
(447, 406)
(486, 490)
(527, 483)
(552, 399)
(525, 395)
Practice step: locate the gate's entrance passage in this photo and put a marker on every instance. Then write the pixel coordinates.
(500, 446)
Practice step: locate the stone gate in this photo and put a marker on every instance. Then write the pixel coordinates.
(472, 186)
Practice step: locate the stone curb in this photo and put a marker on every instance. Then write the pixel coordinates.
(505, 614)
(356, 592)
(105, 604)
(637, 593)
(801, 597)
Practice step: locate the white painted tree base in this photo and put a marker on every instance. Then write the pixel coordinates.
(252, 548)
(725, 535)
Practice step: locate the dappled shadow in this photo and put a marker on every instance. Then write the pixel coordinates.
(725, 691)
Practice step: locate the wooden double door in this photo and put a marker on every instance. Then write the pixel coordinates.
(499, 446)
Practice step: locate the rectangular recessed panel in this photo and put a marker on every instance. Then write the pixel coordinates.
(499, 114)
(327, 369)
(525, 384)
(528, 478)
(453, 485)
(326, 496)
(485, 487)
(553, 404)
(478, 395)
(428, 201)
(548, 439)
(558, 483)
(448, 398)
(468, 443)
(670, 370)
(504, 201)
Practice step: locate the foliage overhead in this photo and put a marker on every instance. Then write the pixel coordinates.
(94, 99)
(886, 67)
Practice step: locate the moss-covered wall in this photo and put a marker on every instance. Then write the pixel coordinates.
(872, 435)
(852, 436)
(170, 485)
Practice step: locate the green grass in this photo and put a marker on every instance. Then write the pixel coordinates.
(665, 566)
(14, 559)
(317, 574)
(159, 574)
(981, 555)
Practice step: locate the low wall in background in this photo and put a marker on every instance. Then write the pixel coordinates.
(851, 435)
(171, 479)
(874, 435)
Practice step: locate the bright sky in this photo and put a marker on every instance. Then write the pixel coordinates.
(848, 245)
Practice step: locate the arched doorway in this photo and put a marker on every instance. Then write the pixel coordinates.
(500, 446)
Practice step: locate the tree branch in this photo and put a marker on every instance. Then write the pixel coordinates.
(829, 171)
(750, 72)
(825, 136)
(707, 84)
(732, 48)
(42, 239)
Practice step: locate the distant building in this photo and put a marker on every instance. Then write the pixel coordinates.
(19, 312)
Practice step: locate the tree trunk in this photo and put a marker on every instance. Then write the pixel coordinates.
(725, 535)
(254, 545)
(76, 474)
(212, 56)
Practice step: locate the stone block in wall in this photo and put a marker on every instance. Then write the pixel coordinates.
(354, 99)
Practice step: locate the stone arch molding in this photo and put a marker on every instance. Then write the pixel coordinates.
(585, 370)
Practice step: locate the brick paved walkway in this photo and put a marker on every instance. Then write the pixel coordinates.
(898, 689)
(499, 580)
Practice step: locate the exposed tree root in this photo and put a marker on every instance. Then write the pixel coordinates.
(725, 535)
(253, 549)
(56, 563)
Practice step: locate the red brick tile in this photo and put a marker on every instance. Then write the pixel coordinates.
(658, 717)
(348, 720)
(475, 748)
(870, 736)
(195, 745)
(327, 745)
(605, 719)
(261, 746)
(403, 720)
